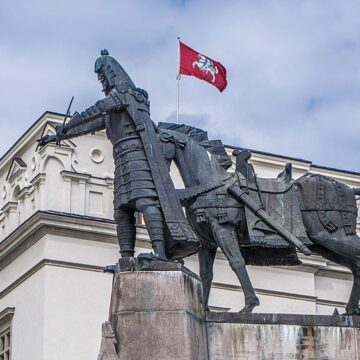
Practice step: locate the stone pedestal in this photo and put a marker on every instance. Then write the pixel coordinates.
(283, 337)
(158, 314)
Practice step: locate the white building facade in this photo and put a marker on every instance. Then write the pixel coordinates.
(57, 233)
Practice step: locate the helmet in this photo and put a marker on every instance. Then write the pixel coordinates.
(111, 74)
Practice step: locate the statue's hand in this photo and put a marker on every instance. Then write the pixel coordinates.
(46, 139)
(60, 131)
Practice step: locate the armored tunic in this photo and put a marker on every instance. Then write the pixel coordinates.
(133, 178)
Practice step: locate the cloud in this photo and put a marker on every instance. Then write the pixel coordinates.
(293, 67)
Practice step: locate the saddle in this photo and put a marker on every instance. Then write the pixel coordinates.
(278, 197)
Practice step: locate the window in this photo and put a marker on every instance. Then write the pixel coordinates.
(5, 344)
(5, 333)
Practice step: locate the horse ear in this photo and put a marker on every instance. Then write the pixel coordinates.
(167, 145)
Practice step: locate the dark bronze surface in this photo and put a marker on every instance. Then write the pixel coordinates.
(280, 215)
(142, 181)
(252, 220)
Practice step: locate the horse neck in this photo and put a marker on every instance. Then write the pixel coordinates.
(196, 165)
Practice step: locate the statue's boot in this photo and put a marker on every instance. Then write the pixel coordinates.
(126, 231)
(155, 225)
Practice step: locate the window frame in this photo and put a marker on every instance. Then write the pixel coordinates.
(6, 317)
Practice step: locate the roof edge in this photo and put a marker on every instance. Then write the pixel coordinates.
(23, 136)
(268, 153)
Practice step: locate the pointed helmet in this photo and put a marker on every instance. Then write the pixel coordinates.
(111, 74)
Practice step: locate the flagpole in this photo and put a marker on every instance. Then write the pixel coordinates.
(178, 77)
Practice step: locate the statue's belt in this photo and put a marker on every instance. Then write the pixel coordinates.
(128, 144)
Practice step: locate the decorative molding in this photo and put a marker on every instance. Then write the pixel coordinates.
(219, 308)
(266, 292)
(51, 222)
(40, 265)
(38, 179)
(104, 230)
(331, 303)
(6, 318)
(23, 192)
(17, 166)
(95, 268)
(335, 274)
(7, 314)
(282, 294)
(75, 176)
(63, 224)
(97, 155)
(9, 206)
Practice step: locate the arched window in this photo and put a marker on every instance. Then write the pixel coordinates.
(16, 193)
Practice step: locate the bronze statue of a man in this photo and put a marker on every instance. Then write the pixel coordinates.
(142, 181)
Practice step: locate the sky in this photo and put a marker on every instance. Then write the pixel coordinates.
(293, 67)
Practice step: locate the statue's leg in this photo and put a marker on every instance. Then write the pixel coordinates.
(154, 223)
(206, 257)
(126, 231)
(352, 306)
(226, 237)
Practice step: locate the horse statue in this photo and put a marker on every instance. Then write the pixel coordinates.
(314, 212)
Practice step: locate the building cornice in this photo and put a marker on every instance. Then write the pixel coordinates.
(40, 265)
(229, 287)
(9, 206)
(282, 294)
(104, 230)
(7, 314)
(50, 222)
(72, 175)
(41, 177)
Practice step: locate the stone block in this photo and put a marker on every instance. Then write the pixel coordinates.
(158, 315)
(282, 337)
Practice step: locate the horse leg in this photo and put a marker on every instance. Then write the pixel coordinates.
(352, 307)
(206, 257)
(227, 239)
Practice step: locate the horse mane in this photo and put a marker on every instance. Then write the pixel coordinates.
(214, 147)
(217, 148)
(196, 133)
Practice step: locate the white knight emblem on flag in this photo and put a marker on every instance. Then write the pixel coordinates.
(205, 64)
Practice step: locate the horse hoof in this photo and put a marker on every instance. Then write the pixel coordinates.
(353, 311)
(247, 309)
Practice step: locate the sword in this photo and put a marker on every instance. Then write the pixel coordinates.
(58, 141)
(258, 210)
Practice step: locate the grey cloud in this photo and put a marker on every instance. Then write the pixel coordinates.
(293, 67)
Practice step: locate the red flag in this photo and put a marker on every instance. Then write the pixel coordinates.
(196, 64)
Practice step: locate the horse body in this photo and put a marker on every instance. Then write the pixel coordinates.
(197, 167)
(219, 220)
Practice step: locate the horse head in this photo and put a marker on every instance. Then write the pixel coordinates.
(197, 158)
